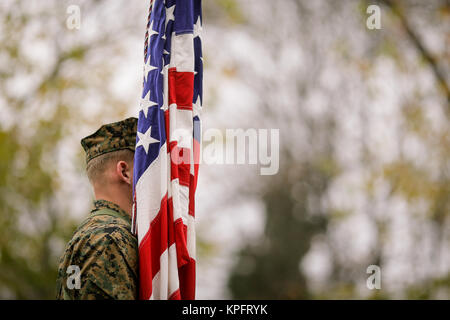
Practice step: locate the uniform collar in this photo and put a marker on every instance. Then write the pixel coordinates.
(104, 204)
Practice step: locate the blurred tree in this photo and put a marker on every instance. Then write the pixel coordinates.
(270, 266)
(270, 269)
(318, 75)
(47, 74)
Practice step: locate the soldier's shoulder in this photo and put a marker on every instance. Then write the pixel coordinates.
(98, 233)
(98, 227)
(101, 246)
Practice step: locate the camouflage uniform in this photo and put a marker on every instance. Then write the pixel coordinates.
(102, 247)
(111, 137)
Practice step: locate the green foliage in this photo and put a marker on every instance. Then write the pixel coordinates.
(35, 223)
(223, 12)
(27, 263)
(269, 268)
(232, 9)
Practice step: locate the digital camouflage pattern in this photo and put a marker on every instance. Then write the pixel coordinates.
(111, 137)
(106, 252)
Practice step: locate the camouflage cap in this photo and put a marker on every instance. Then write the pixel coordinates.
(111, 137)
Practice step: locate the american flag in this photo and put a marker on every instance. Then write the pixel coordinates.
(167, 150)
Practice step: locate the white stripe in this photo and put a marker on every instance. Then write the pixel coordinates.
(175, 199)
(182, 52)
(165, 282)
(169, 179)
(166, 87)
(160, 280)
(174, 282)
(192, 164)
(184, 203)
(149, 192)
(180, 200)
(181, 126)
(191, 237)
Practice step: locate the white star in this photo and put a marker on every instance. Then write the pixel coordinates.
(146, 103)
(147, 68)
(151, 31)
(169, 14)
(145, 139)
(198, 28)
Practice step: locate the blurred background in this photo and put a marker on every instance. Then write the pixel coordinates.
(363, 115)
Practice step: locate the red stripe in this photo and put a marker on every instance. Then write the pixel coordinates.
(180, 163)
(181, 88)
(176, 295)
(192, 187)
(163, 232)
(145, 270)
(167, 122)
(180, 242)
(184, 172)
(157, 239)
(187, 280)
(193, 178)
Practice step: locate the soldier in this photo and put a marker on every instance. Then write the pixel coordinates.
(101, 259)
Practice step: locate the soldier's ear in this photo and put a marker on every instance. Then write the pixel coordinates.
(124, 172)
